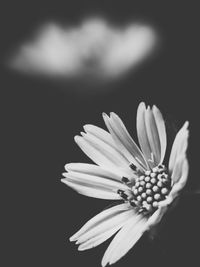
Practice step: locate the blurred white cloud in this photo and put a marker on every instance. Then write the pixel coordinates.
(94, 48)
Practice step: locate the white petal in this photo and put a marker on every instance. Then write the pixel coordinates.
(124, 240)
(116, 220)
(105, 137)
(106, 148)
(103, 155)
(157, 215)
(177, 170)
(178, 186)
(84, 183)
(179, 146)
(161, 131)
(99, 218)
(93, 181)
(163, 205)
(92, 169)
(142, 132)
(101, 134)
(91, 192)
(153, 136)
(124, 140)
(97, 240)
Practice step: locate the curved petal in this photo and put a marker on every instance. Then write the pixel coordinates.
(151, 134)
(100, 218)
(179, 146)
(84, 183)
(124, 239)
(124, 140)
(182, 170)
(177, 170)
(178, 186)
(104, 155)
(158, 214)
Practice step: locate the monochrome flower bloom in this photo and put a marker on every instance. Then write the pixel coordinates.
(136, 176)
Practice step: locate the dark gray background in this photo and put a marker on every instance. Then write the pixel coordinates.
(41, 117)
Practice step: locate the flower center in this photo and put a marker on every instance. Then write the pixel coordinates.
(149, 189)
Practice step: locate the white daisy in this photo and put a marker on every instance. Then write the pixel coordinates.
(129, 173)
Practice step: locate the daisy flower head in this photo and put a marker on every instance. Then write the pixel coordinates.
(134, 175)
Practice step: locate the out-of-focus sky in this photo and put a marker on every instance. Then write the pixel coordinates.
(41, 116)
(95, 49)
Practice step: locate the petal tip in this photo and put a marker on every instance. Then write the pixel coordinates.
(187, 124)
(86, 127)
(89, 127)
(142, 104)
(67, 166)
(104, 263)
(104, 114)
(83, 133)
(77, 138)
(113, 114)
(155, 108)
(81, 248)
(64, 174)
(72, 238)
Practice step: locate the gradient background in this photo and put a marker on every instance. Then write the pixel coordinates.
(41, 117)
